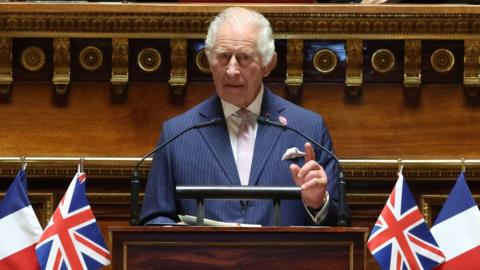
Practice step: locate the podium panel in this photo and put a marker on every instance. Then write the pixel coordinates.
(238, 248)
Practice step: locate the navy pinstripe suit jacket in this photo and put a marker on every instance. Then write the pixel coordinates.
(204, 157)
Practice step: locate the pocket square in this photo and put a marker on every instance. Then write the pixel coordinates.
(292, 153)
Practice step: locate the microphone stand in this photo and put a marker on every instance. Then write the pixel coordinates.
(343, 216)
(135, 181)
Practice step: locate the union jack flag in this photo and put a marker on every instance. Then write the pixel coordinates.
(72, 239)
(400, 239)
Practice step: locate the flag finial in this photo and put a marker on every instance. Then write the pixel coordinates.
(81, 165)
(23, 161)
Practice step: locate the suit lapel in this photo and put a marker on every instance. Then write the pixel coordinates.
(267, 137)
(218, 141)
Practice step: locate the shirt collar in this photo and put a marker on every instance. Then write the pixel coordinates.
(254, 107)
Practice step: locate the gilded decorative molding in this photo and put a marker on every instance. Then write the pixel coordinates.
(90, 58)
(383, 60)
(119, 65)
(6, 78)
(354, 169)
(325, 61)
(442, 60)
(412, 77)
(149, 60)
(67, 167)
(413, 169)
(46, 202)
(42, 204)
(294, 74)
(354, 69)
(370, 198)
(471, 67)
(178, 72)
(427, 202)
(288, 21)
(61, 64)
(33, 58)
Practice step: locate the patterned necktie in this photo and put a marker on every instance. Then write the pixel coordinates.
(245, 145)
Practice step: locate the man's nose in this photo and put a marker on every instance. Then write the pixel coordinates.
(232, 66)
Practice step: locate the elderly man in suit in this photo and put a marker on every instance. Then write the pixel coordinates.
(241, 52)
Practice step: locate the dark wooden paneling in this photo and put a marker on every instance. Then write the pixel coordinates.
(238, 248)
(383, 125)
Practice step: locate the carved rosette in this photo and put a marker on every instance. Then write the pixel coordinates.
(383, 60)
(149, 60)
(6, 78)
(354, 70)
(119, 65)
(91, 58)
(442, 60)
(178, 72)
(33, 58)
(412, 77)
(61, 64)
(294, 74)
(201, 62)
(325, 61)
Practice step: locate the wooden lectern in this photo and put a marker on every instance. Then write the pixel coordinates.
(263, 248)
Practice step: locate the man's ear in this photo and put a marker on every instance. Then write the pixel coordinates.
(268, 68)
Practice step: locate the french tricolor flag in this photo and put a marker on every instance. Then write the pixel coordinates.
(457, 229)
(19, 228)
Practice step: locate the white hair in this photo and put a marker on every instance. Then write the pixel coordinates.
(241, 17)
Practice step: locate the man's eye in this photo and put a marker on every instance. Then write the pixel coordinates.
(224, 57)
(244, 58)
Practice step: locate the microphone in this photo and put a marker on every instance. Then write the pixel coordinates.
(135, 181)
(343, 215)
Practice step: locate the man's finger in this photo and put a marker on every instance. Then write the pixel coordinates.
(309, 153)
(309, 166)
(295, 169)
(312, 183)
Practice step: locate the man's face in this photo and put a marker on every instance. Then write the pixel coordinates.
(236, 65)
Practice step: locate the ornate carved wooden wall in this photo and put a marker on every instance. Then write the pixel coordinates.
(97, 80)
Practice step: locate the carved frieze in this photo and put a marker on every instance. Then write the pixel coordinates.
(356, 169)
(182, 21)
